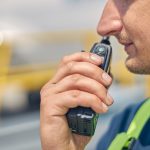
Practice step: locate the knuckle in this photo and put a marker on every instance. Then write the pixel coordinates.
(75, 93)
(46, 90)
(70, 65)
(45, 100)
(75, 77)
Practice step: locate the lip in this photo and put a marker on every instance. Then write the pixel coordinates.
(125, 43)
(128, 47)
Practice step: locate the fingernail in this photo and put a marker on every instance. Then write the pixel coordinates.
(110, 100)
(96, 58)
(105, 107)
(106, 77)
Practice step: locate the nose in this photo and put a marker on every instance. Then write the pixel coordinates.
(110, 22)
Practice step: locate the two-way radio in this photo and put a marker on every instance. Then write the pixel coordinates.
(83, 120)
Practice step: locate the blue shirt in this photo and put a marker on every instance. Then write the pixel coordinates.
(120, 123)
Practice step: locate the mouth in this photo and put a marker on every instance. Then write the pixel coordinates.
(127, 46)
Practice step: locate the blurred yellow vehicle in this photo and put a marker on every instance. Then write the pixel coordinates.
(24, 68)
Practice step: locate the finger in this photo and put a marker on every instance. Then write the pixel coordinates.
(59, 104)
(83, 68)
(82, 83)
(82, 56)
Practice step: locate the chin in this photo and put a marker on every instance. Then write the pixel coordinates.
(136, 66)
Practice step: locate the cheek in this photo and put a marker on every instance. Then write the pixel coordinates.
(136, 21)
(137, 28)
(140, 36)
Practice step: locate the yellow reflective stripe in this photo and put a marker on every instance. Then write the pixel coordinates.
(139, 120)
(141, 117)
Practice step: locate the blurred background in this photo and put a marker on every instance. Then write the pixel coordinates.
(34, 36)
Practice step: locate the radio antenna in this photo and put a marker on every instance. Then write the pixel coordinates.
(105, 40)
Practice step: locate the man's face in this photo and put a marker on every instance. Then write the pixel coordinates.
(129, 22)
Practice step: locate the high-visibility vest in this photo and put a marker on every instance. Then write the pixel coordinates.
(126, 140)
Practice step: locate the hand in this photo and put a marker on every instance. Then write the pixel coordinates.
(78, 82)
